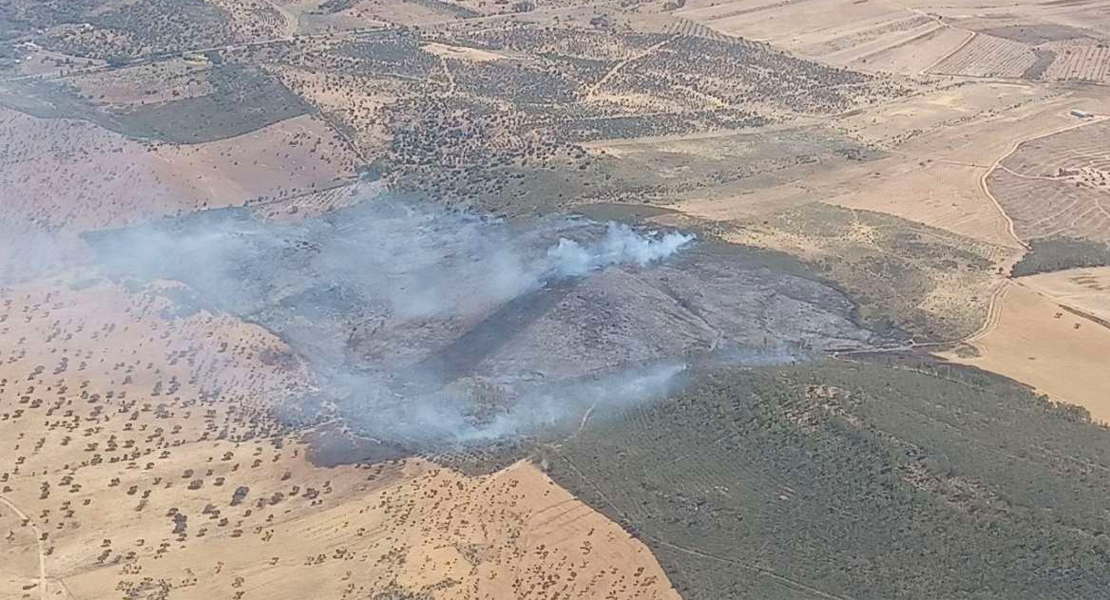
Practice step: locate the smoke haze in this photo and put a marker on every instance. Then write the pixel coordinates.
(377, 298)
(427, 326)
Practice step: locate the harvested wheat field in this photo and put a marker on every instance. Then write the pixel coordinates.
(1086, 290)
(1038, 342)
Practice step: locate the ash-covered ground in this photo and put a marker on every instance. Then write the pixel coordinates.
(427, 326)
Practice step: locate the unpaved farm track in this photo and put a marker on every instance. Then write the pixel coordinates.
(998, 294)
(592, 91)
(994, 313)
(998, 164)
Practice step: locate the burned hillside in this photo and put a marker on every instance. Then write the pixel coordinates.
(426, 325)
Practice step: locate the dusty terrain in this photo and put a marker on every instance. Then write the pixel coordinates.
(61, 173)
(160, 471)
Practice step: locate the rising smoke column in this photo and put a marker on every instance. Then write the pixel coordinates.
(619, 245)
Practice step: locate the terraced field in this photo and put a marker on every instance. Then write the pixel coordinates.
(1088, 62)
(1058, 185)
(988, 56)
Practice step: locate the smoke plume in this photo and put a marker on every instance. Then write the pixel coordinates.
(396, 303)
(620, 245)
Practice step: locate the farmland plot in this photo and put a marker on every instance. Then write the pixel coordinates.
(1059, 185)
(988, 56)
(1081, 63)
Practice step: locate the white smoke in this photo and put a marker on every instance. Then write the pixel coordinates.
(620, 245)
(441, 417)
(434, 263)
(387, 285)
(542, 411)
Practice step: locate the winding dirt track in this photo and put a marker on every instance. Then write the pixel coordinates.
(994, 313)
(592, 91)
(998, 294)
(998, 164)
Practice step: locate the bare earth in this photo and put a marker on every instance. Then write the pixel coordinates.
(77, 176)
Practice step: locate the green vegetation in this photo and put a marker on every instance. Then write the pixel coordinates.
(838, 479)
(1058, 252)
(903, 275)
(120, 31)
(329, 7)
(244, 99)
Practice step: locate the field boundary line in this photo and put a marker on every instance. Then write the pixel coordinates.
(972, 35)
(1062, 302)
(940, 21)
(900, 43)
(1013, 148)
(592, 91)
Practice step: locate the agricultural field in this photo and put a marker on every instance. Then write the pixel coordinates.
(1042, 340)
(1044, 41)
(1083, 289)
(867, 36)
(1057, 185)
(88, 164)
(988, 56)
(1080, 62)
(915, 55)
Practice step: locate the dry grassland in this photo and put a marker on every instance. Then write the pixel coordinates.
(146, 84)
(358, 100)
(938, 146)
(142, 451)
(874, 36)
(73, 175)
(1037, 342)
(47, 63)
(933, 284)
(1086, 290)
